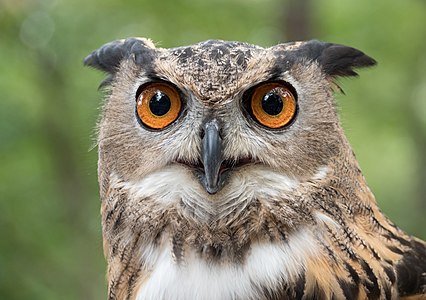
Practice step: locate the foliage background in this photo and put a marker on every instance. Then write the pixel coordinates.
(50, 238)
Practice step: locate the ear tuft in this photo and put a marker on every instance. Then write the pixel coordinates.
(108, 57)
(339, 60)
(335, 60)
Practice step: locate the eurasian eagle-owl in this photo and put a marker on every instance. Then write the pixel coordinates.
(225, 174)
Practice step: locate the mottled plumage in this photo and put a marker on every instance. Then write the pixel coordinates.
(289, 215)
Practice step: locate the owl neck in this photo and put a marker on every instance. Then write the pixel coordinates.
(339, 187)
(294, 235)
(346, 176)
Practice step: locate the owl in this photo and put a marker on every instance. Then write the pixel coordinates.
(224, 173)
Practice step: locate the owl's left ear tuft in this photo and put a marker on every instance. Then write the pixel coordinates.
(337, 60)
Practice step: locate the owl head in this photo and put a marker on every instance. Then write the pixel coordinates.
(215, 124)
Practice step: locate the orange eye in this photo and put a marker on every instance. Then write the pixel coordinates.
(273, 105)
(158, 105)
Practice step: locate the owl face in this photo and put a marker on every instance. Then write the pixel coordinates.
(220, 122)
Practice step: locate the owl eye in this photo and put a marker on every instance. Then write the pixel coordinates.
(158, 105)
(273, 105)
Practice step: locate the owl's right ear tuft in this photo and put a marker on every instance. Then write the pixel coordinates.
(109, 57)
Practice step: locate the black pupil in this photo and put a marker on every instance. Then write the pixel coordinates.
(272, 104)
(159, 104)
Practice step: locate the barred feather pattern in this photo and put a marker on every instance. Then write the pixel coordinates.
(360, 253)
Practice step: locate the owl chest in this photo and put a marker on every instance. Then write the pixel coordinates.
(266, 267)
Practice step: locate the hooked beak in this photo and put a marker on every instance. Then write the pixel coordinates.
(212, 156)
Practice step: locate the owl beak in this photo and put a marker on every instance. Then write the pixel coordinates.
(212, 156)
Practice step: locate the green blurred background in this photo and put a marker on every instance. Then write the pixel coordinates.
(50, 237)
